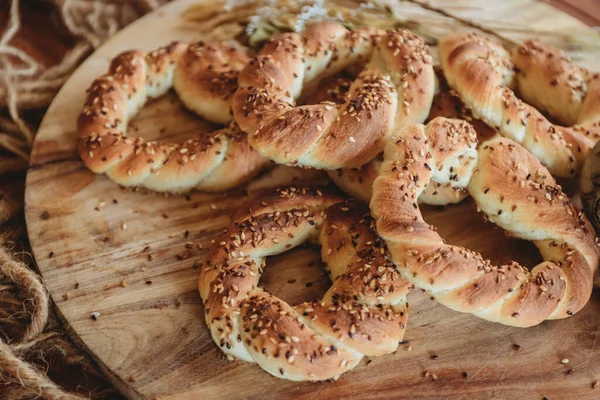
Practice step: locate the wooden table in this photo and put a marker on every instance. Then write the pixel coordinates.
(48, 44)
(150, 336)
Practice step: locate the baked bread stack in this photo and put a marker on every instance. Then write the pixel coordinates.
(354, 103)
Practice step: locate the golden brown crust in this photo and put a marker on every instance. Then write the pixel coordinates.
(394, 88)
(516, 192)
(204, 76)
(363, 313)
(481, 71)
(358, 182)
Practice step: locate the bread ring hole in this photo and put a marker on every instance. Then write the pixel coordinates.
(166, 119)
(296, 276)
(461, 225)
(569, 186)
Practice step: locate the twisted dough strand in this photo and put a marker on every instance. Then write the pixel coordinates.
(358, 182)
(395, 86)
(205, 77)
(549, 80)
(363, 313)
(514, 191)
(481, 71)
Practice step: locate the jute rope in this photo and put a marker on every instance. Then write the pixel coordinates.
(31, 288)
(26, 84)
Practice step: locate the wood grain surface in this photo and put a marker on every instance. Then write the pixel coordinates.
(133, 256)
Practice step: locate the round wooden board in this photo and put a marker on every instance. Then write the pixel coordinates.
(89, 236)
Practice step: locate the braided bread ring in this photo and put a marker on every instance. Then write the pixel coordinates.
(204, 77)
(358, 183)
(397, 82)
(480, 70)
(516, 192)
(363, 313)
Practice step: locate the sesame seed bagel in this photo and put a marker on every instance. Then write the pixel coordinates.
(364, 312)
(204, 76)
(396, 85)
(482, 73)
(516, 192)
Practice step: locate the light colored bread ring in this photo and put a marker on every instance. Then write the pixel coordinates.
(481, 71)
(364, 312)
(516, 192)
(358, 182)
(205, 77)
(551, 82)
(396, 85)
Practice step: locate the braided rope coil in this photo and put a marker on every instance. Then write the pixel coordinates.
(516, 192)
(363, 313)
(204, 76)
